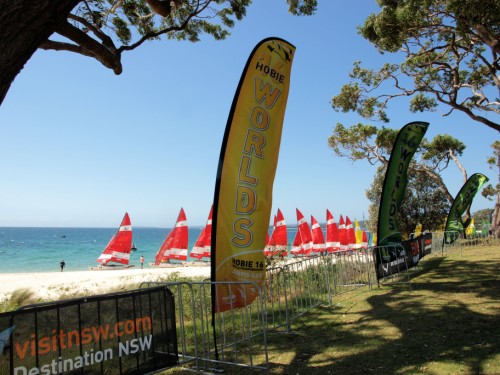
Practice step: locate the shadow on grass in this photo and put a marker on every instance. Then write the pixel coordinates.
(448, 324)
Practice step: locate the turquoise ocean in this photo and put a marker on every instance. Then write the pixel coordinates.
(42, 249)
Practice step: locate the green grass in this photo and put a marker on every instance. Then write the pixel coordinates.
(448, 323)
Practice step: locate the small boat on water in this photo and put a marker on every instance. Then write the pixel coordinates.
(116, 255)
(202, 247)
(175, 246)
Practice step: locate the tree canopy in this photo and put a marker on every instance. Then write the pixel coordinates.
(450, 52)
(490, 191)
(367, 142)
(104, 30)
(424, 203)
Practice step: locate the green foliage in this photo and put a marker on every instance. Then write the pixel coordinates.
(105, 29)
(302, 7)
(493, 161)
(449, 51)
(482, 215)
(366, 142)
(424, 203)
(18, 298)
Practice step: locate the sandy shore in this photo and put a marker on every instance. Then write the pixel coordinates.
(54, 285)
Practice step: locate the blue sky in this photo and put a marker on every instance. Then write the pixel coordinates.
(80, 145)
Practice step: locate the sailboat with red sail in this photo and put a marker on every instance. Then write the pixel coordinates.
(116, 255)
(318, 238)
(350, 234)
(297, 248)
(332, 234)
(175, 245)
(305, 233)
(342, 234)
(278, 242)
(202, 247)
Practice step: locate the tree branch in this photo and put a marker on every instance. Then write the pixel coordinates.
(108, 57)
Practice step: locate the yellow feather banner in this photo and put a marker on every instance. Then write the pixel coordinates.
(245, 176)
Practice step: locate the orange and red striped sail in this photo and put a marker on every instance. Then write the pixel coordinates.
(118, 248)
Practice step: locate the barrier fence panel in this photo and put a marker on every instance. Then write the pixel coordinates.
(119, 333)
(167, 324)
(392, 260)
(240, 334)
(299, 285)
(290, 290)
(446, 242)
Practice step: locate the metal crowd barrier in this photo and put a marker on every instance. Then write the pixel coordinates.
(291, 289)
(240, 334)
(392, 262)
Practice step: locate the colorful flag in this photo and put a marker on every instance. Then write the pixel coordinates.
(359, 234)
(393, 191)
(245, 176)
(396, 178)
(462, 201)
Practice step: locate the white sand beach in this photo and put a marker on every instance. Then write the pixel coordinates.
(54, 285)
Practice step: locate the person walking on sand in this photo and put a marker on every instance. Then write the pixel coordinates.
(142, 261)
(62, 265)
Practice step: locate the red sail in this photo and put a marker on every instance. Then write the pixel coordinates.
(332, 233)
(268, 249)
(342, 234)
(364, 240)
(350, 234)
(118, 248)
(305, 232)
(297, 245)
(175, 245)
(202, 246)
(278, 243)
(317, 236)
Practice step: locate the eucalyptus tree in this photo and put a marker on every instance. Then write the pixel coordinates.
(449, 53)
(367, 142)
(491, 191)
(424, 203)
(105, 29)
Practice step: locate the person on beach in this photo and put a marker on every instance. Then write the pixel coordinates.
(142, 261)
(62, 265)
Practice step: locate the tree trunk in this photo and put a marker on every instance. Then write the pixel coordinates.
(24, 25)
(495, 221)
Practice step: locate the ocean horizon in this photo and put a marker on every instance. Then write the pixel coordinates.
(41, 249)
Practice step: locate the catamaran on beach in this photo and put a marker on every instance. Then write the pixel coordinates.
(116, 255)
